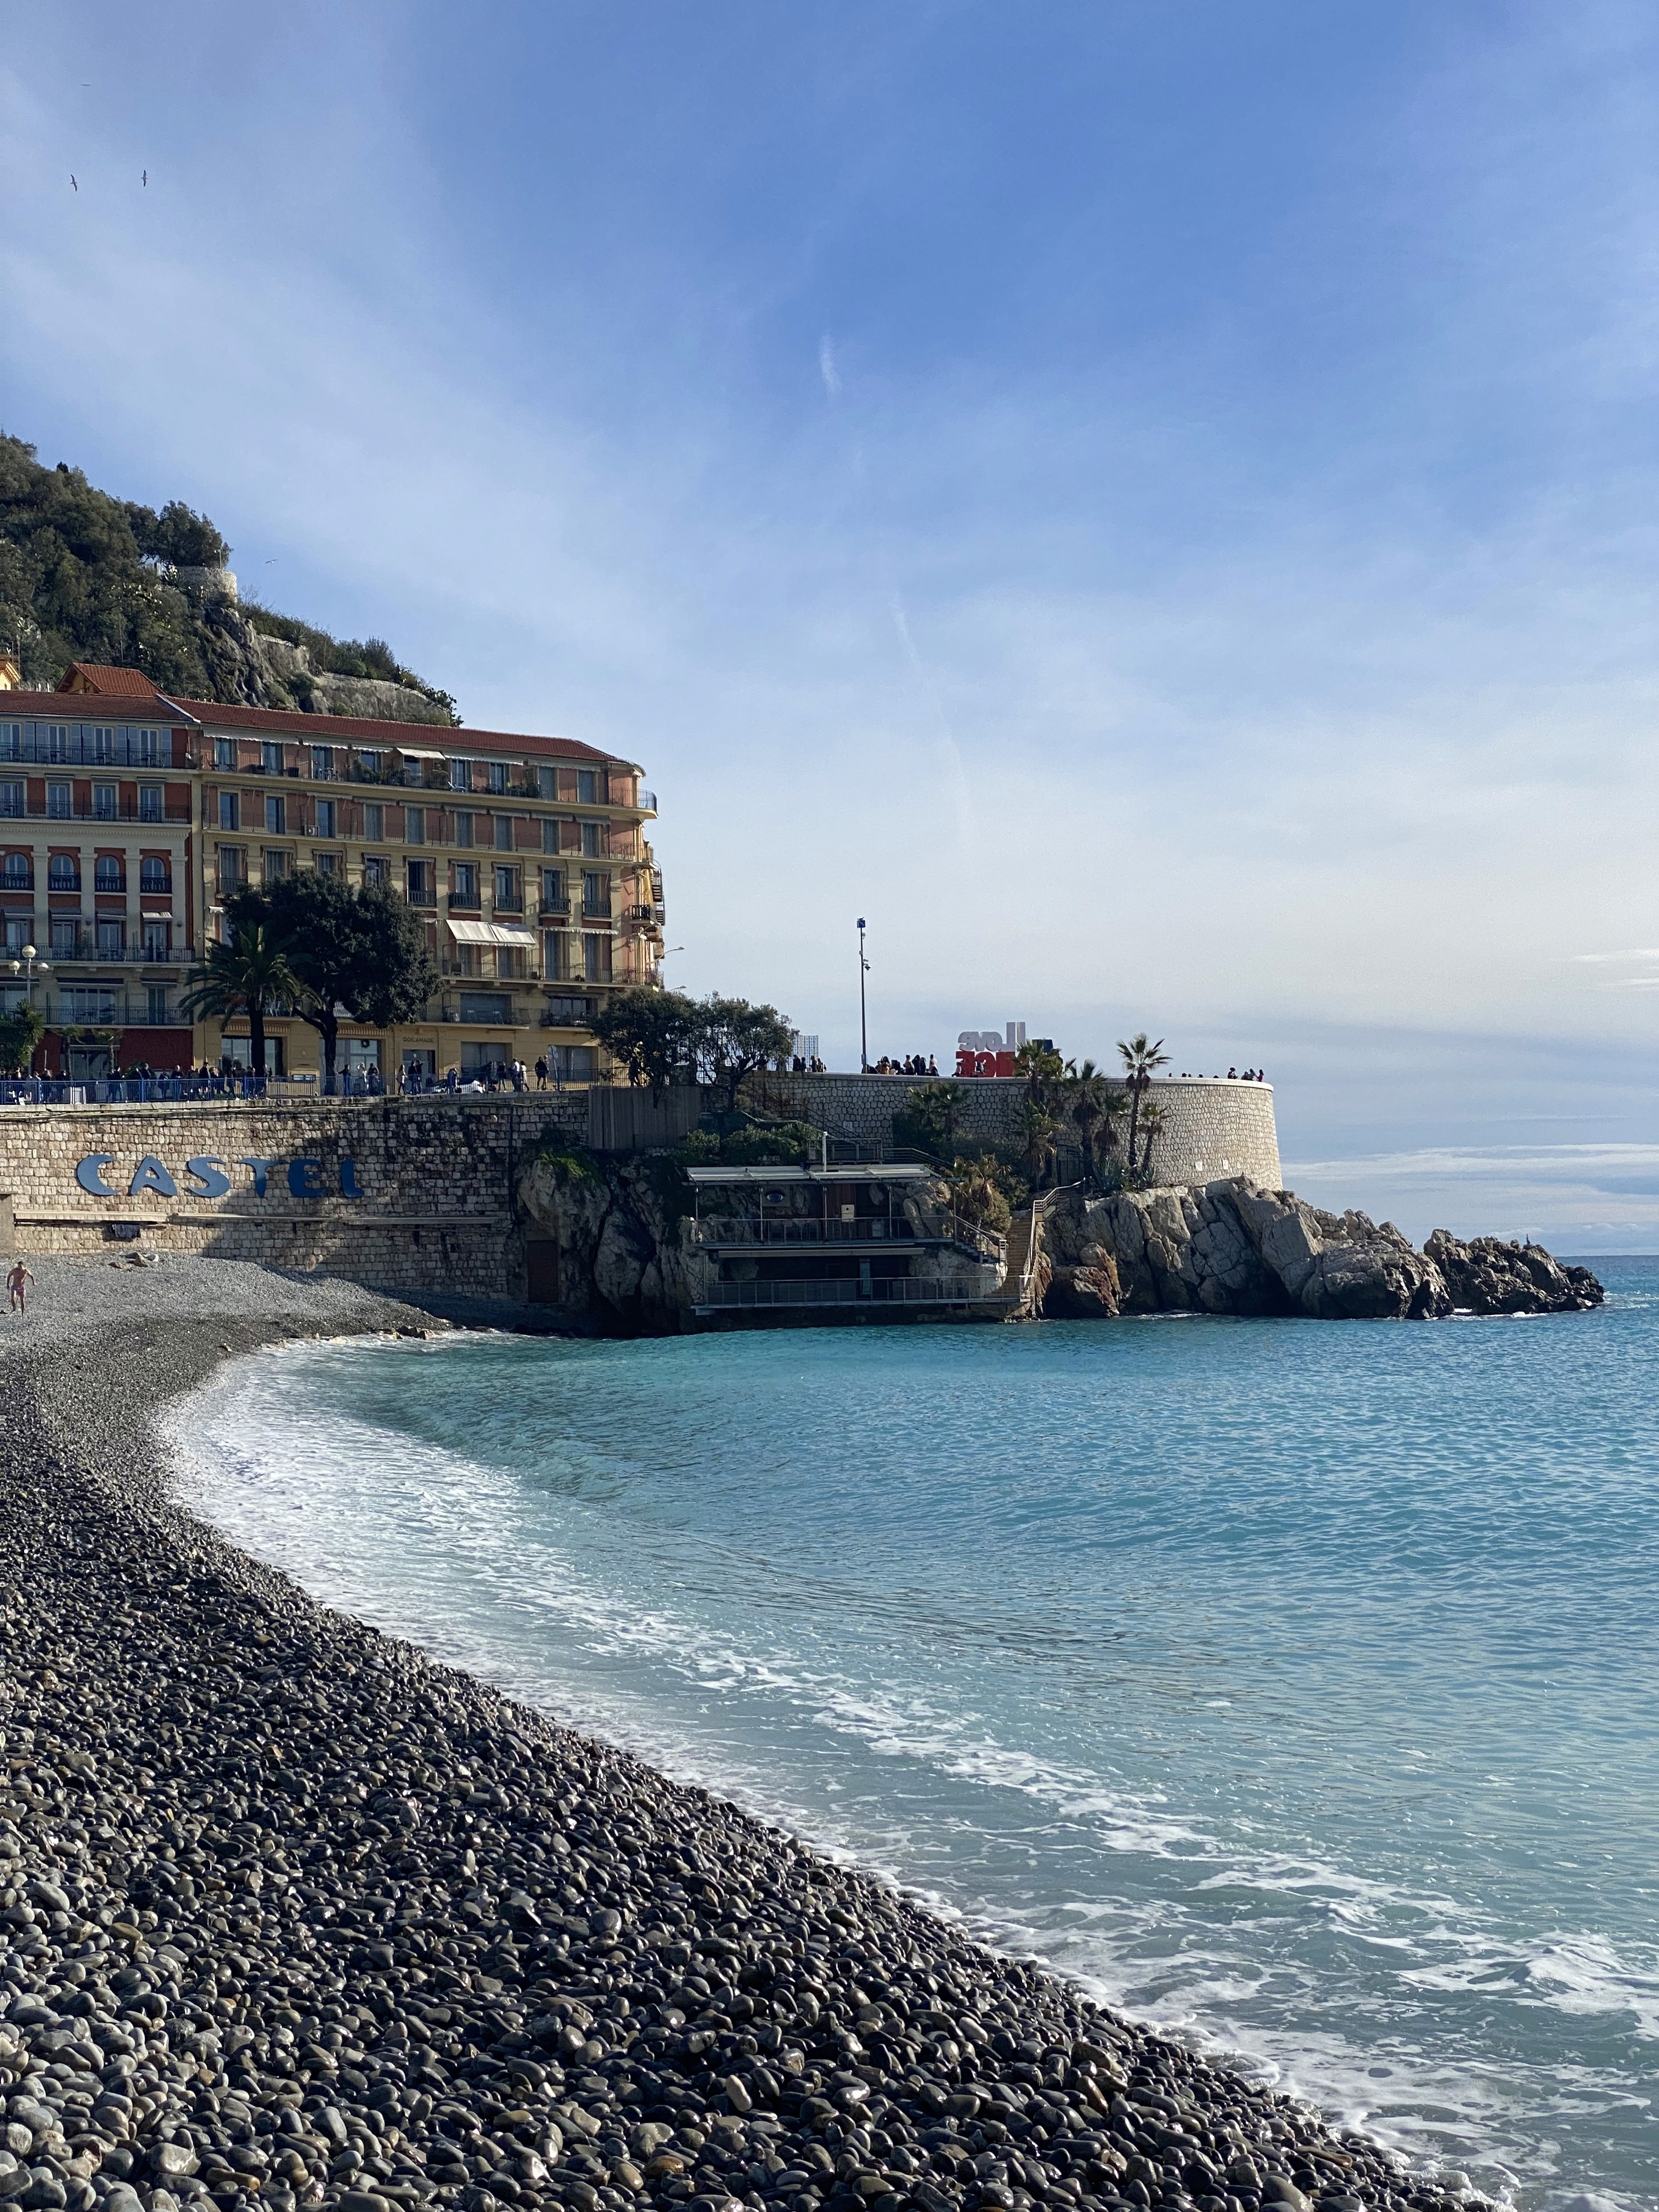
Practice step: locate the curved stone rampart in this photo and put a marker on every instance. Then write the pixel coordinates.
(1211, 1126)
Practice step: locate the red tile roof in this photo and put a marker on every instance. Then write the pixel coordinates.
(318, 729)
(430, 736)
(112, 683)
(73, 706)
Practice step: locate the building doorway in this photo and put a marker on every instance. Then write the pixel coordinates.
(238, 1053)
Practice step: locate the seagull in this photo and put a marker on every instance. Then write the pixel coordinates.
(72, 180)
(144, 179)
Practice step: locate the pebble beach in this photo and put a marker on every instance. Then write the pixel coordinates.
(291, 1912)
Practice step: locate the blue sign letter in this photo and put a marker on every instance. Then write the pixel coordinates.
(150, 1175)
(209, 1172)
(349, 1186)
(305, 1178)
(88, 1177)
(261, 1169)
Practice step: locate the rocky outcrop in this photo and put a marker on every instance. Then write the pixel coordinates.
(1231, 1248)
(1488, 1276)
(625, 1266)
(249, 668)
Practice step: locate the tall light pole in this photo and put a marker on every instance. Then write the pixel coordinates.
(29, 960)
(863, 1026)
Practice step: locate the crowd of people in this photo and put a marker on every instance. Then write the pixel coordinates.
(1250, 1075)
(799, 1066)
(915, 1065)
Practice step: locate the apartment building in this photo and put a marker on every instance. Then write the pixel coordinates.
(122, 835)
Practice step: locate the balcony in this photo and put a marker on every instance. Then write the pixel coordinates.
(558, 906)
(647, 802)
(178, 815)
(842, 1291)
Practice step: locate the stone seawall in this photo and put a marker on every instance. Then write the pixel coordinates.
(1211, 1126)
(414, 1194)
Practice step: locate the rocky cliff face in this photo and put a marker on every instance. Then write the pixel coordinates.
(625, 1267)
(1230, 1247)
(253, 670)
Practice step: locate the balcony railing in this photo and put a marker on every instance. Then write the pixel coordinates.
(648, 801)
(85, 951)
(842, 1290)
(553, 906)
(11, 812)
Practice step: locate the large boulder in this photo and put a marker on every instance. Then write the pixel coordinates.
(1229, 1247)
(1487, 1276)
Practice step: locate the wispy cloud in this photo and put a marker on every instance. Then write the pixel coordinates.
(827, 369)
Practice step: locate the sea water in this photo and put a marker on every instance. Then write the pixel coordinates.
(1294, 1685)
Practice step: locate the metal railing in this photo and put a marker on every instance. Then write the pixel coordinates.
(841, 1291)
(127, 1090)
(72, 813)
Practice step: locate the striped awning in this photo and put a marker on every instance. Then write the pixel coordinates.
(490, 932)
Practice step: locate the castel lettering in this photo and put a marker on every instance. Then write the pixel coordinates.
(207, 1176)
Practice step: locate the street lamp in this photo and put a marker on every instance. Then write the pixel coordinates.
(863, 1026)
(29, 960)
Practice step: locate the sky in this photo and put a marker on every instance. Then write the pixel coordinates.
(1151, 506)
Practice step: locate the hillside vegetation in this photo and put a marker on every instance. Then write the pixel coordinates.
(86, 576)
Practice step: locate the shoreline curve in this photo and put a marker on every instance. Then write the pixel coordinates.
(293, 1911)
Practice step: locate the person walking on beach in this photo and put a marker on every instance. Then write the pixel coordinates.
(18, 1284)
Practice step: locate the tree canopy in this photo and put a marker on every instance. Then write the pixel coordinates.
(249, 975)
(663, 1037)
(360, 948)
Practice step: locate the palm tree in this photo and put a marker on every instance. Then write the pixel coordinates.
(1139, 1057)
(1151, 1120)
(249, 975)
(1094, 1102)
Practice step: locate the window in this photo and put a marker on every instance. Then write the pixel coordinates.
(498, 775)
(63, 873)
(373, 763)
(322, 763)
(233, 867)
(415, 825)
(549, 833)
(509, 963)
(487, 1006)
(465, 960)
(108, 873)
(157, 996)
(326, 818)
(20, 929)
(112, 938)
(375, 822)
(465, 892)
(150, 802)
(276, 866)
(463, 829)
(275, 817)
(374, 868)
(270, 760)
(506, 888)
(419, 878)
(230, 810)
(12, 796)
(552, 944)
(461, 776)
(596, 959)
(154, 875)
(328, 864)
(18, 874)
(65, 936)
(224, 752)
(596, 894)
(158, 939)
(11, 741)
(553, 890)
(591, 847)
(106, 801)
(57, 802)
(86, 1004)
(503, 833)
(587, 787)
(547, 783)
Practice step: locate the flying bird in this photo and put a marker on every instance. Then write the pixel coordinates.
(72, 180)
(144, 179)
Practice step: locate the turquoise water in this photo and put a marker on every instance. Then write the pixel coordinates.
(1294, 1683)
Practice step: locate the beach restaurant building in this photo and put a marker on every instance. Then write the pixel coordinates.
(127, 818)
